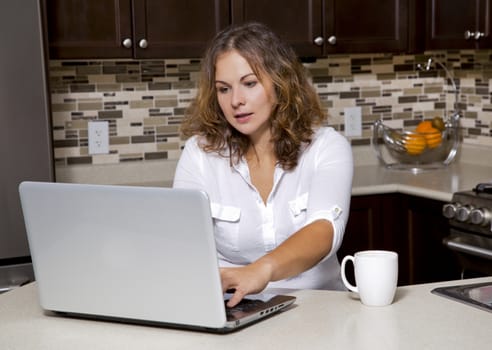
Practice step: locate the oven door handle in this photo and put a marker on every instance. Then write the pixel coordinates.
(454, 244)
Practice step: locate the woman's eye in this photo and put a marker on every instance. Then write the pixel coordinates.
(250, 83)
(222, 89)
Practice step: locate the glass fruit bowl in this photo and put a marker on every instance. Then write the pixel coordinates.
(427, 147)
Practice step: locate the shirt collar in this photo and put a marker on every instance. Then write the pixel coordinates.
(242, 168)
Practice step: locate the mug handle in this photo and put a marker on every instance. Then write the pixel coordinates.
(344, 279)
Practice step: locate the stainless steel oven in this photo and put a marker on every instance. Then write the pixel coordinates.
(470, 233)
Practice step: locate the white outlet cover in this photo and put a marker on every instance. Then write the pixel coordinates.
(98, 137)
(353, 121)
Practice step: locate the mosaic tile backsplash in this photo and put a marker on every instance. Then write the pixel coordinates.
(144, 101)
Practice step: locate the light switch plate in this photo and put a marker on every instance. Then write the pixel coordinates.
(353, 121)
(98, 137)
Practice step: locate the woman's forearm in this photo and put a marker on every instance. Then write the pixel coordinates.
(299, 252)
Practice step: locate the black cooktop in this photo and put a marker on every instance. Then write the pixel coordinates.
(478, 294)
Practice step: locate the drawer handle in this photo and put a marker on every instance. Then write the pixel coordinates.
(455, 245)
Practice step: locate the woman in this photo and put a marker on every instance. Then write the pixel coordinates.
(279, 183)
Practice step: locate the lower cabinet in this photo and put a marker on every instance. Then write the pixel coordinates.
(412, 226)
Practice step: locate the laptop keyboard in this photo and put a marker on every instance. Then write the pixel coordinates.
(246, 305)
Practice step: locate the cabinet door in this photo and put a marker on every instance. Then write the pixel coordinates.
(177, 28)
(364, 230)
(361, 230)
(377, 222)
(88, 29)
(366, 26)
(458, 24)
(428, 259)
(411, 226)
(299, 22)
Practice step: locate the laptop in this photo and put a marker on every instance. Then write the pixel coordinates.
(132, 254)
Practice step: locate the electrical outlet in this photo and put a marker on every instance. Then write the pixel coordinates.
(353, 121)
(98, 137)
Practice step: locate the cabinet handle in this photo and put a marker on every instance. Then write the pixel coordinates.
(143, 44)
(332, 40)
(319, 41)
(478, 35)
(127, 43)
(473, 35)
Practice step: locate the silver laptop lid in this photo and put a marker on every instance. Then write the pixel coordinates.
(128, 252)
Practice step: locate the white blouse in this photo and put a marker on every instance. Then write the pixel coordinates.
(246, 228)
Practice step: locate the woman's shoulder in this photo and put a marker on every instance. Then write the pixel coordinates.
(197, 145)
(328, 134)
(328, 144)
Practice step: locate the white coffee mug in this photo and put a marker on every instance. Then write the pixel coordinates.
(376, 276)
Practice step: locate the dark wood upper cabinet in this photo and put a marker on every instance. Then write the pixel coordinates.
(366, 26)
(87, 29)
(458, 24)
(133, 28)
(319, 27)
(298, 22)
(177, 28)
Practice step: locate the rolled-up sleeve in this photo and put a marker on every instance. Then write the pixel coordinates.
(331, 185)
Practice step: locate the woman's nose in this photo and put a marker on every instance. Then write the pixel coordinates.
(237, 98)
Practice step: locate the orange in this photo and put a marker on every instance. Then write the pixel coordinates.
(433, 137)
(415, 144)
(424, 126)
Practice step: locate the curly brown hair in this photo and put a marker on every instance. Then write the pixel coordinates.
(296, 114)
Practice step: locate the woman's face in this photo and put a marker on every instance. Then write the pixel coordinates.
(246, 102)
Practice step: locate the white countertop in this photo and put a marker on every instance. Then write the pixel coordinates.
(319, 320)
(439, 184)
(473, 165)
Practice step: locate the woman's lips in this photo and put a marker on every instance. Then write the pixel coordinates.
(243, 117)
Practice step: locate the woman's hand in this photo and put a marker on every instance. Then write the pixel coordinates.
(298, 253)
(245, 280)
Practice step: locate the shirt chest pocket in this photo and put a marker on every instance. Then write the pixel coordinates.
(226, 223)
(298, 210)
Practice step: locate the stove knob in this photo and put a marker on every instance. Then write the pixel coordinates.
(480, 216)
(449, 210)
(463, 213)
